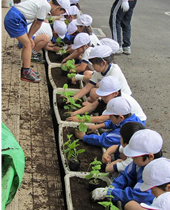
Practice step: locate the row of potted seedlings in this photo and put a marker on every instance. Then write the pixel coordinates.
(82, 164)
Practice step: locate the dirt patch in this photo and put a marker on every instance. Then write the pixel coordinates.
(56, 58)
(82, 201)
(90, 151)
(60, 80)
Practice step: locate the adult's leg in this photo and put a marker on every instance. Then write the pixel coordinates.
(126, 24)
(116, 16)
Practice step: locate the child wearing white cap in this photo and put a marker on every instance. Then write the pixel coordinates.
(109, 88)
(101, 59)
(144, 146)
(71, 14)
(119, 110)
(120, 160)
(156, 176)
(82, 47)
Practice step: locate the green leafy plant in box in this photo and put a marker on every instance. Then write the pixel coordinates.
(73, 152)
(83, 118)
(108, 204)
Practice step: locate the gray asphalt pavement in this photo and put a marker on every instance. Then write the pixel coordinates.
(147, 69)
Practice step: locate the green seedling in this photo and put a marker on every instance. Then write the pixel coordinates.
(61, 51)
(72, 148)
(95, 172)
(66, 94)
(69, 65)
(72, 74)
(59, 42)
(51, 20)
(72, 105)
(108, 204)
(84, 118)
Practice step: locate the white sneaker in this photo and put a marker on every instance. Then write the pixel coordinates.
(127, 50)
(120, 51)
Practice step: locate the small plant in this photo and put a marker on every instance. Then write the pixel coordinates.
(61, 51)
(72, 148)
(95, 172)
(51, 20)
(59, 42)
(65, 94)
(69, 65)
(72, 74)
(84, 118)
(72, 105)
(108, 204)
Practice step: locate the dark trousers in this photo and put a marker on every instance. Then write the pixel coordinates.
(120, 22)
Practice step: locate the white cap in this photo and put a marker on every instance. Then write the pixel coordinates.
(80, 40)
(162, 202)
(74, 1)
(117, 106)
(64, 3)
(71, 28)
(72, 10)
(101, 51)
(143, 142)
(156, 173)
(108, 85)
(111, 43)
(60, 28)
(84, 20)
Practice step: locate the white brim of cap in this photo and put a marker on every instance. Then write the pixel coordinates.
(61, 36)
(107, 113)
(74, 47)
(145, 187)
(91, 57)
(104, 93)
(131, 153)
(148, 207)
(77, 23)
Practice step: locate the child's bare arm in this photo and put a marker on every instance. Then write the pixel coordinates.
(106, 158)
(83, 91)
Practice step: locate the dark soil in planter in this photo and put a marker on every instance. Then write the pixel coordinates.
(63, 112)
(90, 151)
(56, 58)
(81, 197)
(60, 80)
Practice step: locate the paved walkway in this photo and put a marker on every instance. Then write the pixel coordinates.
(26, 112)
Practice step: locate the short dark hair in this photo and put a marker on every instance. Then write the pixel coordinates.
(98, 61)
(128, 129)
(87, 29)
(156, 155)
(55, 2)
(163, 186)
(125, 116)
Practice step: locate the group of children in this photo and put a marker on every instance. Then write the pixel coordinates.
(144, 174)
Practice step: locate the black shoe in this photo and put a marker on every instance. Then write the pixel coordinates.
(36, 58)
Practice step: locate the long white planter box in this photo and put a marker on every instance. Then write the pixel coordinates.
(68, 187)
(61, 145)
(56, 110)
(49, 62)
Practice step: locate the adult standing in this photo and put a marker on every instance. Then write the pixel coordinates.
(120, 23)
(16, 26)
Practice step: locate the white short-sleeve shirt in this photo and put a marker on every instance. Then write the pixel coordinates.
(115, 71)
(44, 29)
(94, 41)
(136, 108)
(34, 9)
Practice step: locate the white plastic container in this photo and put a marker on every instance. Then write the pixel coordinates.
(68, 187)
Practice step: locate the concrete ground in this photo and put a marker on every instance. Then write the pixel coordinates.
(26, 112)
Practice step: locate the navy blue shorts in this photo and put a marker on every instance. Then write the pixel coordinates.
(15, 23)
